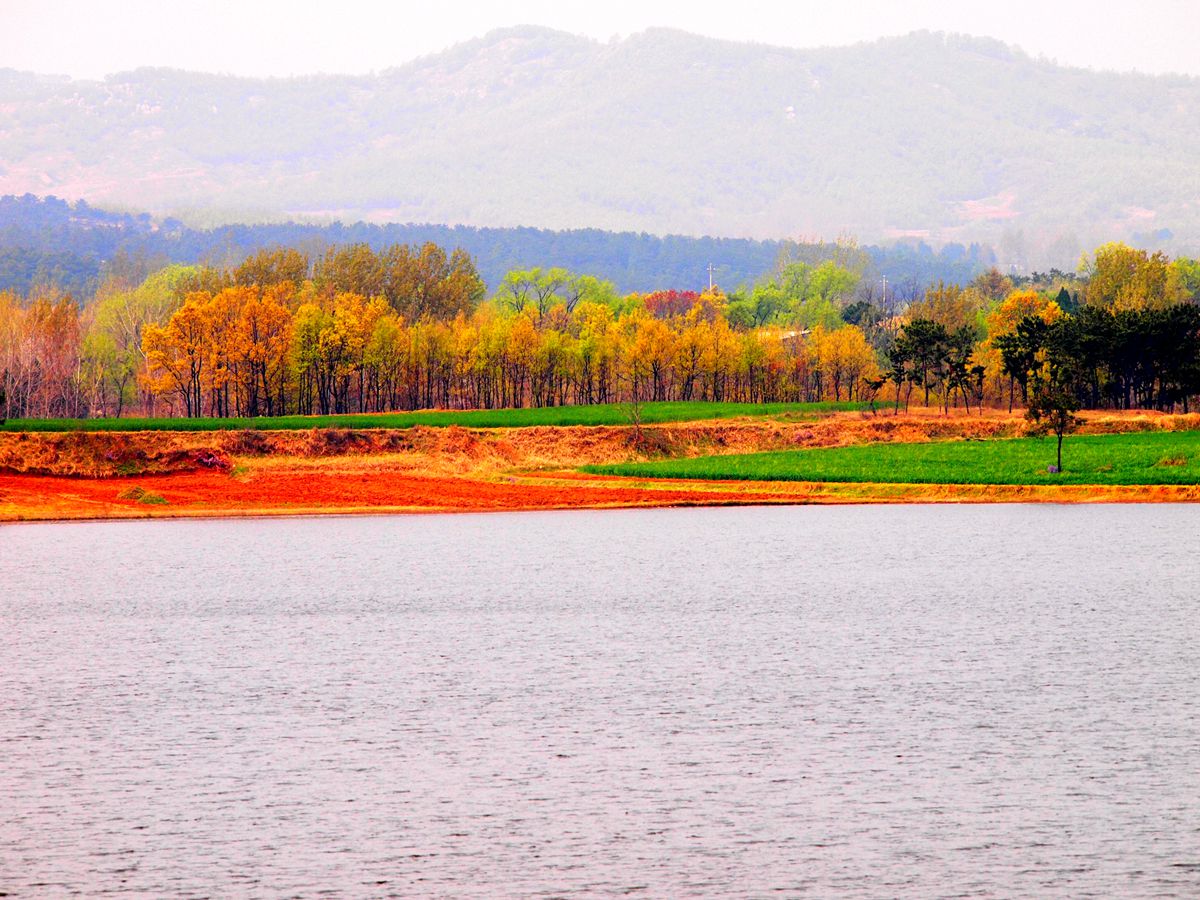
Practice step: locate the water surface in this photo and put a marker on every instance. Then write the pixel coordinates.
(832, 701)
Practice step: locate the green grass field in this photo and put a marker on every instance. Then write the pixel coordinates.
(600, 414)
(1141, 458)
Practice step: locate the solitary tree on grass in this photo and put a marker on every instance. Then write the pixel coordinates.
(1051, 410)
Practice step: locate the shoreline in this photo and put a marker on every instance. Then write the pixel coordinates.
(28, 499)
(91, 476)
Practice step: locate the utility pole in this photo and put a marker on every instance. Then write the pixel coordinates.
(710, 276)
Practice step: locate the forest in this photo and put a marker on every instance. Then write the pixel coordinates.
(75, 247)
(355, 329)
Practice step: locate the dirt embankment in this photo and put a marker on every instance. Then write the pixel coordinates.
(473, 452)
(152, 474)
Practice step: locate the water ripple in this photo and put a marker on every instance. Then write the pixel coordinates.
(860, 702)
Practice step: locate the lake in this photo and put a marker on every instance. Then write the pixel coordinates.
(834, 701)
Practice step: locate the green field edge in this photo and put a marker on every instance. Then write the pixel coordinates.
(1139, 458)
(598, 414)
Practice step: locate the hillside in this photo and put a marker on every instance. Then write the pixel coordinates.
(944, 138)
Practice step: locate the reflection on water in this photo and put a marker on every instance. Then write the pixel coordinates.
(855, 701)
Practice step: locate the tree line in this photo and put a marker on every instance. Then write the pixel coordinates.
(75, 247)
(355, 329)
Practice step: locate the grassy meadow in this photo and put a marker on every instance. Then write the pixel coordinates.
(1162, 457)
(597, 414)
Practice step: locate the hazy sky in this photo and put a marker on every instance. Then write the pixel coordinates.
(91, 38)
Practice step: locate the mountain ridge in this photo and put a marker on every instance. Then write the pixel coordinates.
(935, 136)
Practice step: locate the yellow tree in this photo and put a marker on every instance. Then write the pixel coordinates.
(269, 267)
(766, 363)
(521, 354)
(318, 354)
(719, 358)
(689, 353)
(1120, 277)
(852, 362)
(550, 369)
(816, 353)
(488, 357)
(592, 351)
(992, 286)
(949, 305)
(383, 360)
(262, 338)
(177, 353)
(221, 369)
(354, 318)
(1003, 320)
(709, 306)
(431, 351)
(654, 342)
(633, 365)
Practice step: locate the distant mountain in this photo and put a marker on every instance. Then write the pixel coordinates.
(933, 136)
(47, 241)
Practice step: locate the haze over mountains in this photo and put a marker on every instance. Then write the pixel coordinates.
(939, 137)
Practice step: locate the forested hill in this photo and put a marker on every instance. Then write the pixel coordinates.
(945, 138)
(49, 241)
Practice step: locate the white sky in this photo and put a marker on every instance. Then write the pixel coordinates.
(92, 38)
